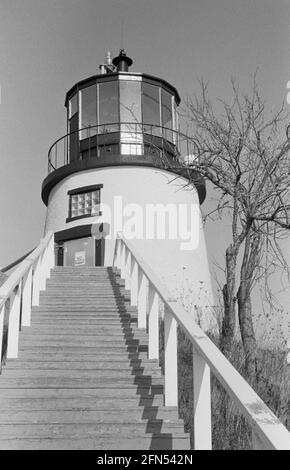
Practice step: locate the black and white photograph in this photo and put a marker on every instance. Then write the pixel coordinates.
(145, 228)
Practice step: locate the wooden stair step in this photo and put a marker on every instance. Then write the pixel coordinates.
(89, 341)
(128, 391)
(88, 403)
(96, 332)
(86, 356)
(77, 310)
(84, 373)
(95, 338)
(88, 430)
(81, 329)
(137, 416)
(78, 382)
(154, 442)
(134, 368)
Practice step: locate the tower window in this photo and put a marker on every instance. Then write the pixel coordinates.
(151, 108)
(88, 111)
(108, 103)
(166, 101)
(84, 202)
(73, 106)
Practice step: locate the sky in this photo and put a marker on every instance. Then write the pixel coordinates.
(48, 45)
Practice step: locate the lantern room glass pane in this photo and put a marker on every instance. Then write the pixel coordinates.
(151, 108)
(88, 111)
(131, 136)
(166, 101)
(130, 101)
(108, 103)
(73, 105)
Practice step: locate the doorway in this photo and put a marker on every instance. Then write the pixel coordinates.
(79, 246)
(81, 252)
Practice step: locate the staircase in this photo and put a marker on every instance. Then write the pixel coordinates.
(82, 379)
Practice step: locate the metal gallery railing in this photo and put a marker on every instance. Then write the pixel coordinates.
(128, 138)
(147, 293)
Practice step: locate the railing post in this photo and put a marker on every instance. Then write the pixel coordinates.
(2, 313)
(43, 269)
(202, 403)
(14, 324)
(36, 282)
(118, 254)
(134, 281)
(170, 359)
(47, 262)
(26, 299)
(142, 299)
(123, 260)
(127, 270)
(153, 323)
(50, 257)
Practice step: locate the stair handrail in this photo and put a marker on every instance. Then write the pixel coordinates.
(16, 262)
(147, 291)
(22, 289)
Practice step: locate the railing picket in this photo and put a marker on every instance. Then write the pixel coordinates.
(170, 358)
(142, 299)
(26, 299)
(47, 262)
(127, 270)
(2, 314)
(36, 282)
(51, 259)
(118, 254)
(14, 324)
(202, 403)
(153, 323)
(134, 281)
(43, 270)
(123, 261)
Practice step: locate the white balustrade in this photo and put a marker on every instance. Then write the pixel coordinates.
(118, 257)
(127, 270)
(134, 282)
(2, 314)
(142, 299)
(147, 292)
(22, 290)
(123, 261)
(170, 359)
(14, 322)
(36, 282)
(153, 323)
(201, 402)
(26, 298)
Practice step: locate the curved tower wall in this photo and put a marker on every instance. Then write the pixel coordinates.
(177, 255)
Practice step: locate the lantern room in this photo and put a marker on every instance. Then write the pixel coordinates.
(119, 113)
(119, 117)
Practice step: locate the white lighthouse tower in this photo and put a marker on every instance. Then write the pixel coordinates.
(122, 167)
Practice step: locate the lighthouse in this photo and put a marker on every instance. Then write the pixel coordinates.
(123, 166)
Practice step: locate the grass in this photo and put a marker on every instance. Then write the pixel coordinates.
(230, 429)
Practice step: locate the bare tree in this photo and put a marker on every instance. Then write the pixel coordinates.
(244, 152)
